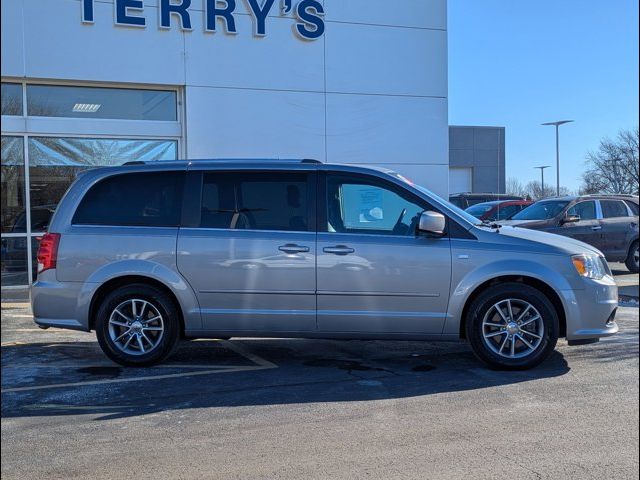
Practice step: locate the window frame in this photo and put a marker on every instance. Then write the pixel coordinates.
(373, 180)
(194, 186)
(626, 208)
(596, 206)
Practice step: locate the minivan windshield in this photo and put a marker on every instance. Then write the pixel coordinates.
(541, 210)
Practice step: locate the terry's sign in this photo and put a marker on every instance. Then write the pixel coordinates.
(307, 14)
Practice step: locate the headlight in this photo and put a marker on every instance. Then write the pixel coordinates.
(588, 266)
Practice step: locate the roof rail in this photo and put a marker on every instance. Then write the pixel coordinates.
(311, 160)
(626, 195)
(135, 162)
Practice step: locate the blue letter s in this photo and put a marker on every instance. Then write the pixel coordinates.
(310, 13)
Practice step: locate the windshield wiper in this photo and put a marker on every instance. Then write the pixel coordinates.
(488, 224)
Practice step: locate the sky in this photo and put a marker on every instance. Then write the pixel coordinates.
(520, 63)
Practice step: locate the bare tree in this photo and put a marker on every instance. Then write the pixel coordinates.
(515, 187)
(613, 168)
(534, 191)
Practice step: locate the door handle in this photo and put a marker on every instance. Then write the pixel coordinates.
(339, 250)
(596, 227)
(293, 248)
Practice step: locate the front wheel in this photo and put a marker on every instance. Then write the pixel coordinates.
(512, 326)
(633, 258)
(137, 325)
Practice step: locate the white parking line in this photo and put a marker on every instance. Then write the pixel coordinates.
(132, 379)
(260, 364)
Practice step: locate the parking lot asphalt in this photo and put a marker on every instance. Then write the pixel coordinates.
(292, 409)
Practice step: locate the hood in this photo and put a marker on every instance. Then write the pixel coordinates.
(560, 243)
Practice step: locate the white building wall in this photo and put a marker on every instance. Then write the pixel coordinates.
(372, 90)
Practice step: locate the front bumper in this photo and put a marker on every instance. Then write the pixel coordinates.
(590, 312)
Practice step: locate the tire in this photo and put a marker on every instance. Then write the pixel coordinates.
(632, 258)
(491, 334)
(159, 336)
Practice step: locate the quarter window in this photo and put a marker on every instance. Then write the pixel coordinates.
(585, 210)
(355, 206)
(133, 199)
(633, 207)
(613, 209)
(255, 201)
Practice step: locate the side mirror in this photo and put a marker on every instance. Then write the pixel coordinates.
(570, 219)
(432, 223)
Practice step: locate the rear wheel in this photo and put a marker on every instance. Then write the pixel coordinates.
(512, 326)
(137, 325)
(633, 258)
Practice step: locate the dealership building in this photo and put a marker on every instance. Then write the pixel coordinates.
(87, 83)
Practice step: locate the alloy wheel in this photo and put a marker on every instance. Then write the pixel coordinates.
(136, 326)
(513, 328)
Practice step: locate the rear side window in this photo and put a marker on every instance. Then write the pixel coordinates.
(585, 210)
(613, 208)
(134, 199)
(633, 206)
(255, 201)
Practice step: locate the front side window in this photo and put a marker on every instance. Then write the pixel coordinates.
(584, 210)
(255, 201)
(134, 199)
(363, 206)
(613, 209)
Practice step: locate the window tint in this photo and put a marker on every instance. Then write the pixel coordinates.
(133, 199)
(355, 206)
(255, 201)
(11, 99)
(633, 206)
(506, 212)
(101, 102)
(613, 208)
(585, 210)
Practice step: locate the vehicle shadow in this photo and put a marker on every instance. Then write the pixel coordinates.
(212, 374)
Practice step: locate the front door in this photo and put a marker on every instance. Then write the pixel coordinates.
(375, 274)
(588, 229)
(250, 252)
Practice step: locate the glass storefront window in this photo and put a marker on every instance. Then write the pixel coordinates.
(11, 99)
(13, 204)
(55, 162)
(100, 102)
(13, 261)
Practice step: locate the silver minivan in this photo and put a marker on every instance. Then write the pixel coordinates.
(148, 254)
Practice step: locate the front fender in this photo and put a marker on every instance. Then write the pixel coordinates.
(144, 268)
(465, 284)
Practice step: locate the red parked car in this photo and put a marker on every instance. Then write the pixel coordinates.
(497, 210)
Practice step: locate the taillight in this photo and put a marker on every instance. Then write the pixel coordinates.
(48, 251)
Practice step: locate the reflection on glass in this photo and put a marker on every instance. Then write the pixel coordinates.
(11, 99)
(100, 102)
(55, 162)
(13, 185)
(14, 261)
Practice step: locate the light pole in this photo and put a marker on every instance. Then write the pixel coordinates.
(557, 125)
(542, 176)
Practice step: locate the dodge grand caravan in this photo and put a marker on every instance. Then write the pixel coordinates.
(147, 254)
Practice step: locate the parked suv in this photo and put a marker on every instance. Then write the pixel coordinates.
(147, 254)
(607, 222)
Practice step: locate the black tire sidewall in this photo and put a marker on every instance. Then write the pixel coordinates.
(159, 300)
(519, 291)
(629, 262)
